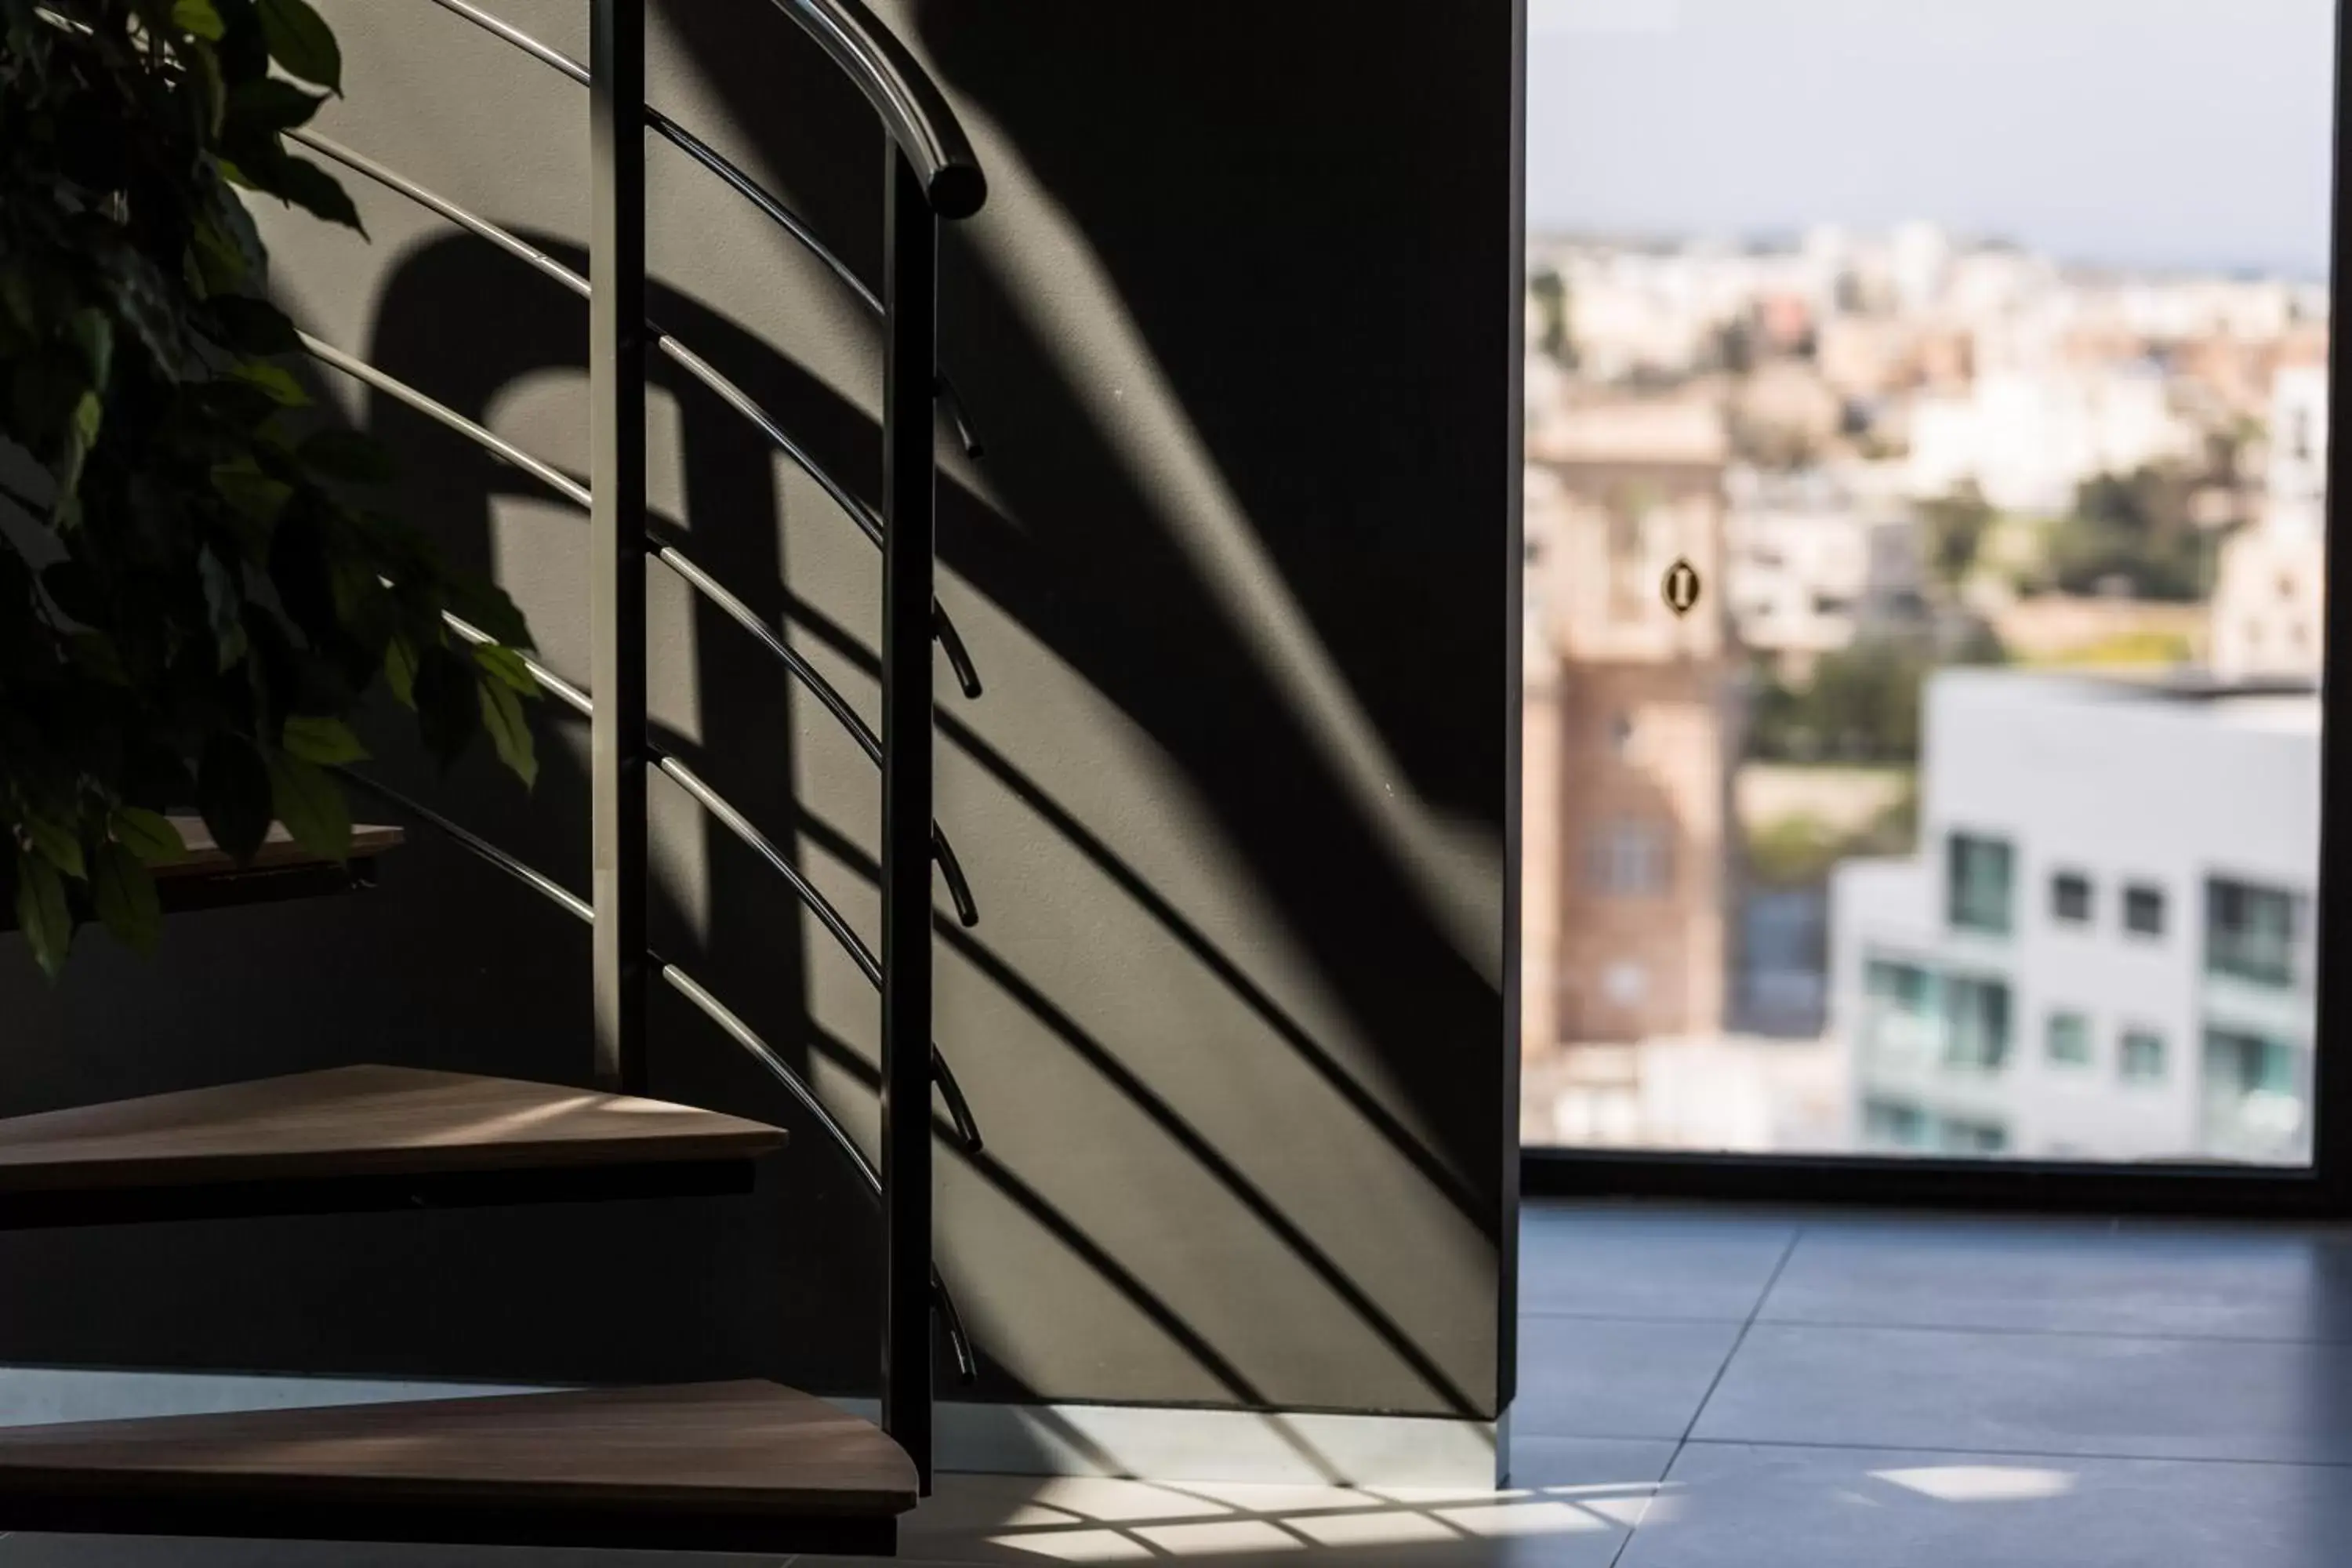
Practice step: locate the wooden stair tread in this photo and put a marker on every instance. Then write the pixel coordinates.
(352, 1122)
(207, 858)
(740, 1460)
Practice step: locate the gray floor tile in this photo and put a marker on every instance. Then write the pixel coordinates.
(992, 1519)
(1631, 1264)
(1600, 1377)
(2050, 1394)
(1540, 1461)
(1739, 1506)
(2070, 1278)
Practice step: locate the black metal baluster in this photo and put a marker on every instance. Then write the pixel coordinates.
(616, 595)
(910, 249)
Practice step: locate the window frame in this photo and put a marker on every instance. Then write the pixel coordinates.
(2321, 1190)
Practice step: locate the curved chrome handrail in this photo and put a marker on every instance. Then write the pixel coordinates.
(952, 643)
(710, 1008)
(571, 489)
(731, 174)
(913, 110)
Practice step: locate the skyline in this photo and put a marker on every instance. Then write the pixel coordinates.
(2173, 135)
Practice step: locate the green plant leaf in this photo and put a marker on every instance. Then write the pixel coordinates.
(300, 40)
(124, 893)
(448, 712)
(253, 493)
(224, 608)
(509, 666)
(317, 738)
(81, 435)
(197, 17)
(204, 63)
(274, 379)
(254, 326)
(234, 793)
(150, 835)
(55, 843)
(400, 670)
(41, 912)
(315, 191)
(94, 334)
(269, 104)
(311, 806)
(509, 729)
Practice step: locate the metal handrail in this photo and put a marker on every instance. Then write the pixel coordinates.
(733, 175)
(930, 174)
(685, 985)
(731, 816)
(571, 489)
(951, 642)
(912, 109)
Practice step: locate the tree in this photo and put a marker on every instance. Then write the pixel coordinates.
(2135, 530)
(1548, 291)
(197, 593)
(1954, 529)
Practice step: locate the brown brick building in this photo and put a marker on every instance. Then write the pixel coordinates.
(1632, 733)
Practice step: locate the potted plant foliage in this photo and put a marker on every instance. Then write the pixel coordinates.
(198, 588)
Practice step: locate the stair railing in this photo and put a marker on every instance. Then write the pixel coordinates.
(930, 175)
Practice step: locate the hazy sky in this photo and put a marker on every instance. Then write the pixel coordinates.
(2160, 133)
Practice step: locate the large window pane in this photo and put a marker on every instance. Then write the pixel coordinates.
(2252, 933)
(1971, 806)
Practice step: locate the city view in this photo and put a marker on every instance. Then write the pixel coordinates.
(1972, 806)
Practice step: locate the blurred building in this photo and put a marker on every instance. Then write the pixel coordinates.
(2027, 438)
(1810, 567)
(2105, 950)
(2270, 593)
(1642, 722)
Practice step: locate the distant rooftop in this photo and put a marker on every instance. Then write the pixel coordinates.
(2280, 705)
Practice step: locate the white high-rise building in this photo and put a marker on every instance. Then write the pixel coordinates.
(2104, 948)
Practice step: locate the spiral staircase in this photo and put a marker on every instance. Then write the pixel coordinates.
(738, 1465)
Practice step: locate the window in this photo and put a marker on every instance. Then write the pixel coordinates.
(1976, 1023)
(1965, 718)
(1902, 1022)
(2254, 1094)
(2141, 1058)
(1957, 1137)
(1979, 872)
(2070, 898)
(2252, 933)
(2068, 1042)
(1891, 1124)
(1627, 859)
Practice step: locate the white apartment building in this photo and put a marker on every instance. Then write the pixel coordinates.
(2027, 438)
(1809, 566)
(2104, 949)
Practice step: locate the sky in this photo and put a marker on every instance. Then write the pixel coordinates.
(2155, 133)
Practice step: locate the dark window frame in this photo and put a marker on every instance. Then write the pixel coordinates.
(2321, 1190)
(2065, 880)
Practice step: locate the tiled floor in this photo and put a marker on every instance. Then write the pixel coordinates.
(1710, 1390)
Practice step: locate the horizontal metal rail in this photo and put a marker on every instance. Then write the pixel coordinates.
(571, 489)
(838, 926)
(951, 642)
(740, 183)
(685, 985)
